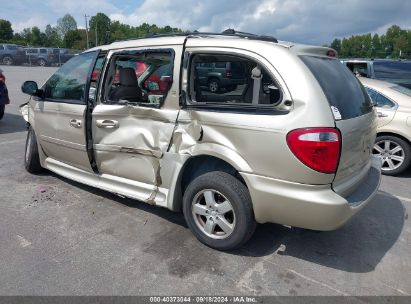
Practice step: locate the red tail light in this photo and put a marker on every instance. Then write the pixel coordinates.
(317, 148)
(2, 77)
(332, 53)
(228, 74)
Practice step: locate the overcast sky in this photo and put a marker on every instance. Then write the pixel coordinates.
(304, 21)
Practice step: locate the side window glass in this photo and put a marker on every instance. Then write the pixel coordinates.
(372, 94)
(1, 47)
(383, 102)
(69, 82)
(231, 80)
(143, 78)
(379, 100)
(95, 78)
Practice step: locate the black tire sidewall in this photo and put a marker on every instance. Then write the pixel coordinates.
(32, 161)
(407, 153)
(217, 82)
(240, 199)
(2, 110)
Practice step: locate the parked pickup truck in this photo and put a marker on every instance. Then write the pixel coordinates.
(395, 71)
(11, 54)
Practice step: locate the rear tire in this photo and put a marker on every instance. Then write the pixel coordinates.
(42, 62)
(7, 60)
(214, 85)
(394, 152)
(218, 210)
(31, 155)
(2, 109)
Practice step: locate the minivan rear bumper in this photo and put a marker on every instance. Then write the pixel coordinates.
(315, 207)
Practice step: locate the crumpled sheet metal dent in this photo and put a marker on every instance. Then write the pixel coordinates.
(185, 137)
(144, 131)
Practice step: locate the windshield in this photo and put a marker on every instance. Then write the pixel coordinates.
(343, 90)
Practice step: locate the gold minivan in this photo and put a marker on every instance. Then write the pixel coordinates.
(290, 144)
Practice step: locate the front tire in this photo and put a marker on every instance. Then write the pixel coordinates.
(394, 152)
(31, 155)
(2, 109)
(218, 210)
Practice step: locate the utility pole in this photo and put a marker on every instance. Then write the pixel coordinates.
(85, 17)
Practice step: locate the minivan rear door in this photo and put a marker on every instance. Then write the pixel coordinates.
(354, 117)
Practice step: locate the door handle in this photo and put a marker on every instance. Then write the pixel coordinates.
(75, 123)
(381, 114)
(107, 123)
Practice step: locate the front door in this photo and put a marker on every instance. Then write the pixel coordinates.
(134, 119)
(60, 124)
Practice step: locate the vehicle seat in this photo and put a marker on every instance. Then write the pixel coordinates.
(128, 88)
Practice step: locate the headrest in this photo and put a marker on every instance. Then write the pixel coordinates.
(128, 77)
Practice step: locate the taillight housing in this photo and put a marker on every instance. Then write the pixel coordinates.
(317, 148)
(331, 53)
(2, 77)
(228, 74)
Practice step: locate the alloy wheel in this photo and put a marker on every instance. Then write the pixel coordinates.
(213, 214)
(213, 86)
(391, 154)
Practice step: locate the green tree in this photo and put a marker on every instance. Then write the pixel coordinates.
(65, 24)
(395, 43)
(75, 39)
(36, 38)
(71, 38)
(100, 24)
(336, 45)
(52, 37)
(375, 46)
(6, 32)
(26, 35)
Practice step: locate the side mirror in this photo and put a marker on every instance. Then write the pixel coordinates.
(30, 88)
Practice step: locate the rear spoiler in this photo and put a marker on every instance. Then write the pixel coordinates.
(314, 50)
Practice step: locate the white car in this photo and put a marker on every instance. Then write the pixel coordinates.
(393, 143)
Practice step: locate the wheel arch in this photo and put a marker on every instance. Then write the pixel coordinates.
(379, 134)
(199, 164)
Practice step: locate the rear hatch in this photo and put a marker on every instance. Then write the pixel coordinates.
(354, 117)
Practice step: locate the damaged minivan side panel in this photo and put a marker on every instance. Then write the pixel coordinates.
(130, 138)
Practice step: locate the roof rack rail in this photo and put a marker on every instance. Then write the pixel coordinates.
(227, 32)
(232, 32)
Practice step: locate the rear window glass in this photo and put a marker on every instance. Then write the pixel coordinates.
(342, 89)
(392, 70)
